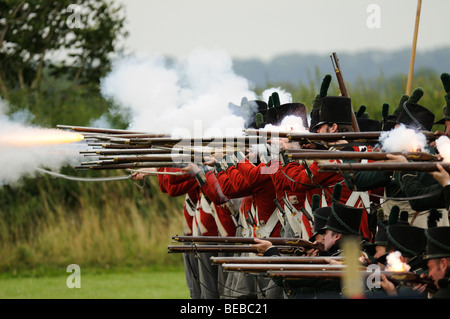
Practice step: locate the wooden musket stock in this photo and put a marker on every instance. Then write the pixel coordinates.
(275, 260)
(201, 248)
(258, 268)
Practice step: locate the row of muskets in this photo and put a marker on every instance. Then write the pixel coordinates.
(292, 264)
(124, 149)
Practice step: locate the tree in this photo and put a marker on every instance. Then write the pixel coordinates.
(71, 38)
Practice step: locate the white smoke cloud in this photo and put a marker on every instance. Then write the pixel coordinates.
(402, 139)
(290, 123)
(285, 97)
(443, 147)
(188, 97)
(18, 160)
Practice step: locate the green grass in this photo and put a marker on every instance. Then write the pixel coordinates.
(148, 283)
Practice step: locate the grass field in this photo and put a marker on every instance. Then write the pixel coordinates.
(150, 283)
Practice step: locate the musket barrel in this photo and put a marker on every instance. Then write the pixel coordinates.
(96, 130)
(275, 259)
(194, 248)
(387, 167)
(258, 132)
(371, 135)
(128, 151)
(158, 158)
(281, 267)
(132, 165)
(198, 141)
(376, 156)
(248, 240)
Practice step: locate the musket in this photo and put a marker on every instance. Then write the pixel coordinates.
(353, 136)
(395, 277)
(386, 166)
(375, 156)
(154, 158)
(342, 87)
(94, 166)
(127, 151)
(118, 146)
(195, 248)
(156, 173)
(96, 130)
(297, 242)
(191, 141)
(265, 133)
(276, 260)
(258, 268)
(127, 135)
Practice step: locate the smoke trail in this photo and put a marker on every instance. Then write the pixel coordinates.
(19, 159)
(187, 98)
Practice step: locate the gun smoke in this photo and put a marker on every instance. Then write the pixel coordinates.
(187, 98)
(443, 147)
(402, 139)
(19, 159)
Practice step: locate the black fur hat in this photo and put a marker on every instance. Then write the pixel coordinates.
(409, 240)
(416, 116)
(438, 242)
(335, 109)
(344, 219)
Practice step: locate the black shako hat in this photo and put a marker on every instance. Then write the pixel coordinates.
(438, 242)
(416, 116)
(320, 216)
(335, 109)
(409, 240)
(344, 219)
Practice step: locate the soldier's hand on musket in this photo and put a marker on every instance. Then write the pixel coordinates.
(191, 168)
(209, 160)
(313, 251)
(388, 286)
(142, 173)
(261, 246)
(422, 288)
(442, 176)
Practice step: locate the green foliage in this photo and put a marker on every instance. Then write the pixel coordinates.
(34, 32)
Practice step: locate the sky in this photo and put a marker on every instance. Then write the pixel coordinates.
(265, 28)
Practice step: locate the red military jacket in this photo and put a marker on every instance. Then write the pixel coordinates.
(225, 220)
(263, 192)
(181, 185)
(312, 181)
